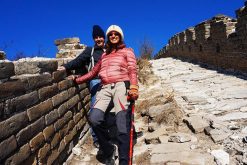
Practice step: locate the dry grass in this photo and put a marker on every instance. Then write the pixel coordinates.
(143, 158)
(145, 73)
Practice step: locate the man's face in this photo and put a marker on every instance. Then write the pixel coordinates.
(99, 41)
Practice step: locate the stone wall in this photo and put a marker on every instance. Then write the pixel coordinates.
(220, 42)
(2, 55)
(41, 112)
(69, 47)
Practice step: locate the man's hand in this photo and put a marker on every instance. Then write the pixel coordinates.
(72, 77)
(61, 68)
(133, 92)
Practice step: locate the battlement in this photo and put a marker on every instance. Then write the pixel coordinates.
(220, 41)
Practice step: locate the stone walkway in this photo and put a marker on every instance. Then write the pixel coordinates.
(212, 126)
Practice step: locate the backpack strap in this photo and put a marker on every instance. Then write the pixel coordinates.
(91, 63)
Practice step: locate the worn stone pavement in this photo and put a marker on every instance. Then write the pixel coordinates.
(214, 107)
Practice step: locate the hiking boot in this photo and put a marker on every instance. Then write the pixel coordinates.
(110, 160)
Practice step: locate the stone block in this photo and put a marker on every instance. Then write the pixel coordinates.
(62, 109)
(81, 123)
(196, 123)
(55, 140)
(37, 81)
(6, 69)
(63, 131)
(71, 92)
(24, 135)
(47, 92)
(71, 124)
(7, 147)
(59, 76)
(73, 101)
(51, 117)
(12, 88)
(33, 67)
(61, 146)
(27, 133)
(37, 141)
(74, 40)
(52, 157)
(64, 120)
(13, 125)
(39, 110)
(22, 154)
(21, 103)
(43, 152)
(1, 111)
(65, 84)
(77, 117)
(59, 98)
(48, 132)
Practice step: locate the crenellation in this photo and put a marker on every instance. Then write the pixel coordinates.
(220, 42)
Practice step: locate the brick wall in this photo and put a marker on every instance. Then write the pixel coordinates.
(220, 42)
(41, 112)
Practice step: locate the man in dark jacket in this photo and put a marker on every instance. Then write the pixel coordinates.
(88, 58)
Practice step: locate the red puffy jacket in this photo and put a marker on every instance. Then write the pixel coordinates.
(115, 67)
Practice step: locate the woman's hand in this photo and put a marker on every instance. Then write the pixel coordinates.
(133, 92)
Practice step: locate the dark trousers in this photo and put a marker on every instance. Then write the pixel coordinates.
(98, 123)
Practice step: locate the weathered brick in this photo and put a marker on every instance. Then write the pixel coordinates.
(27, 133)
(71, 124)
(52, 157)
(43, 152)
(62, 109)
(73, 101)
(7, 146)
(13, 125)
(58, 75)
(51, 117)
(63, 131)
(24, 135)
(64, 120)
(6, 69)
(86, 99)
(59, 98)
(55, 140)
(48, 132)
(20, 156)
(47, 92)
(12, 88)
(21, 103)
(37, 141)
(33, 67)
(1, 111)
(82, 86)
(65, 84)
(71, 92)
(84, 93)
(39, 110)
(74, 40)
(81, 123)
(77, 117)
(61, 146)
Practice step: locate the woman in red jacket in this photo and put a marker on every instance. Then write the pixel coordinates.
(118, 74)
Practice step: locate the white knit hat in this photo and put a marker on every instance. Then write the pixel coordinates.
(116, 29)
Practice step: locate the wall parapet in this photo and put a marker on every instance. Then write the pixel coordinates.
(220, 41)
(41, 112)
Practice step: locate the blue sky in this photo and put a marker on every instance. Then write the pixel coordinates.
(31, 25)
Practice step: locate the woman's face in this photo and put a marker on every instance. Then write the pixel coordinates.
(114, 37)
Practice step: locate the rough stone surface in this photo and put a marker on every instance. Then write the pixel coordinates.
(6, 69)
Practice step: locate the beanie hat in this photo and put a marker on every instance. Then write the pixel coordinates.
(116, 29)
(97, 31)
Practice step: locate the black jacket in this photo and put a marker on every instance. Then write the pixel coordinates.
(80, 63)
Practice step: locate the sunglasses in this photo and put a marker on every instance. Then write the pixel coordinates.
(114, 33)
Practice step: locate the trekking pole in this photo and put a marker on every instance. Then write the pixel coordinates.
(132, 103)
